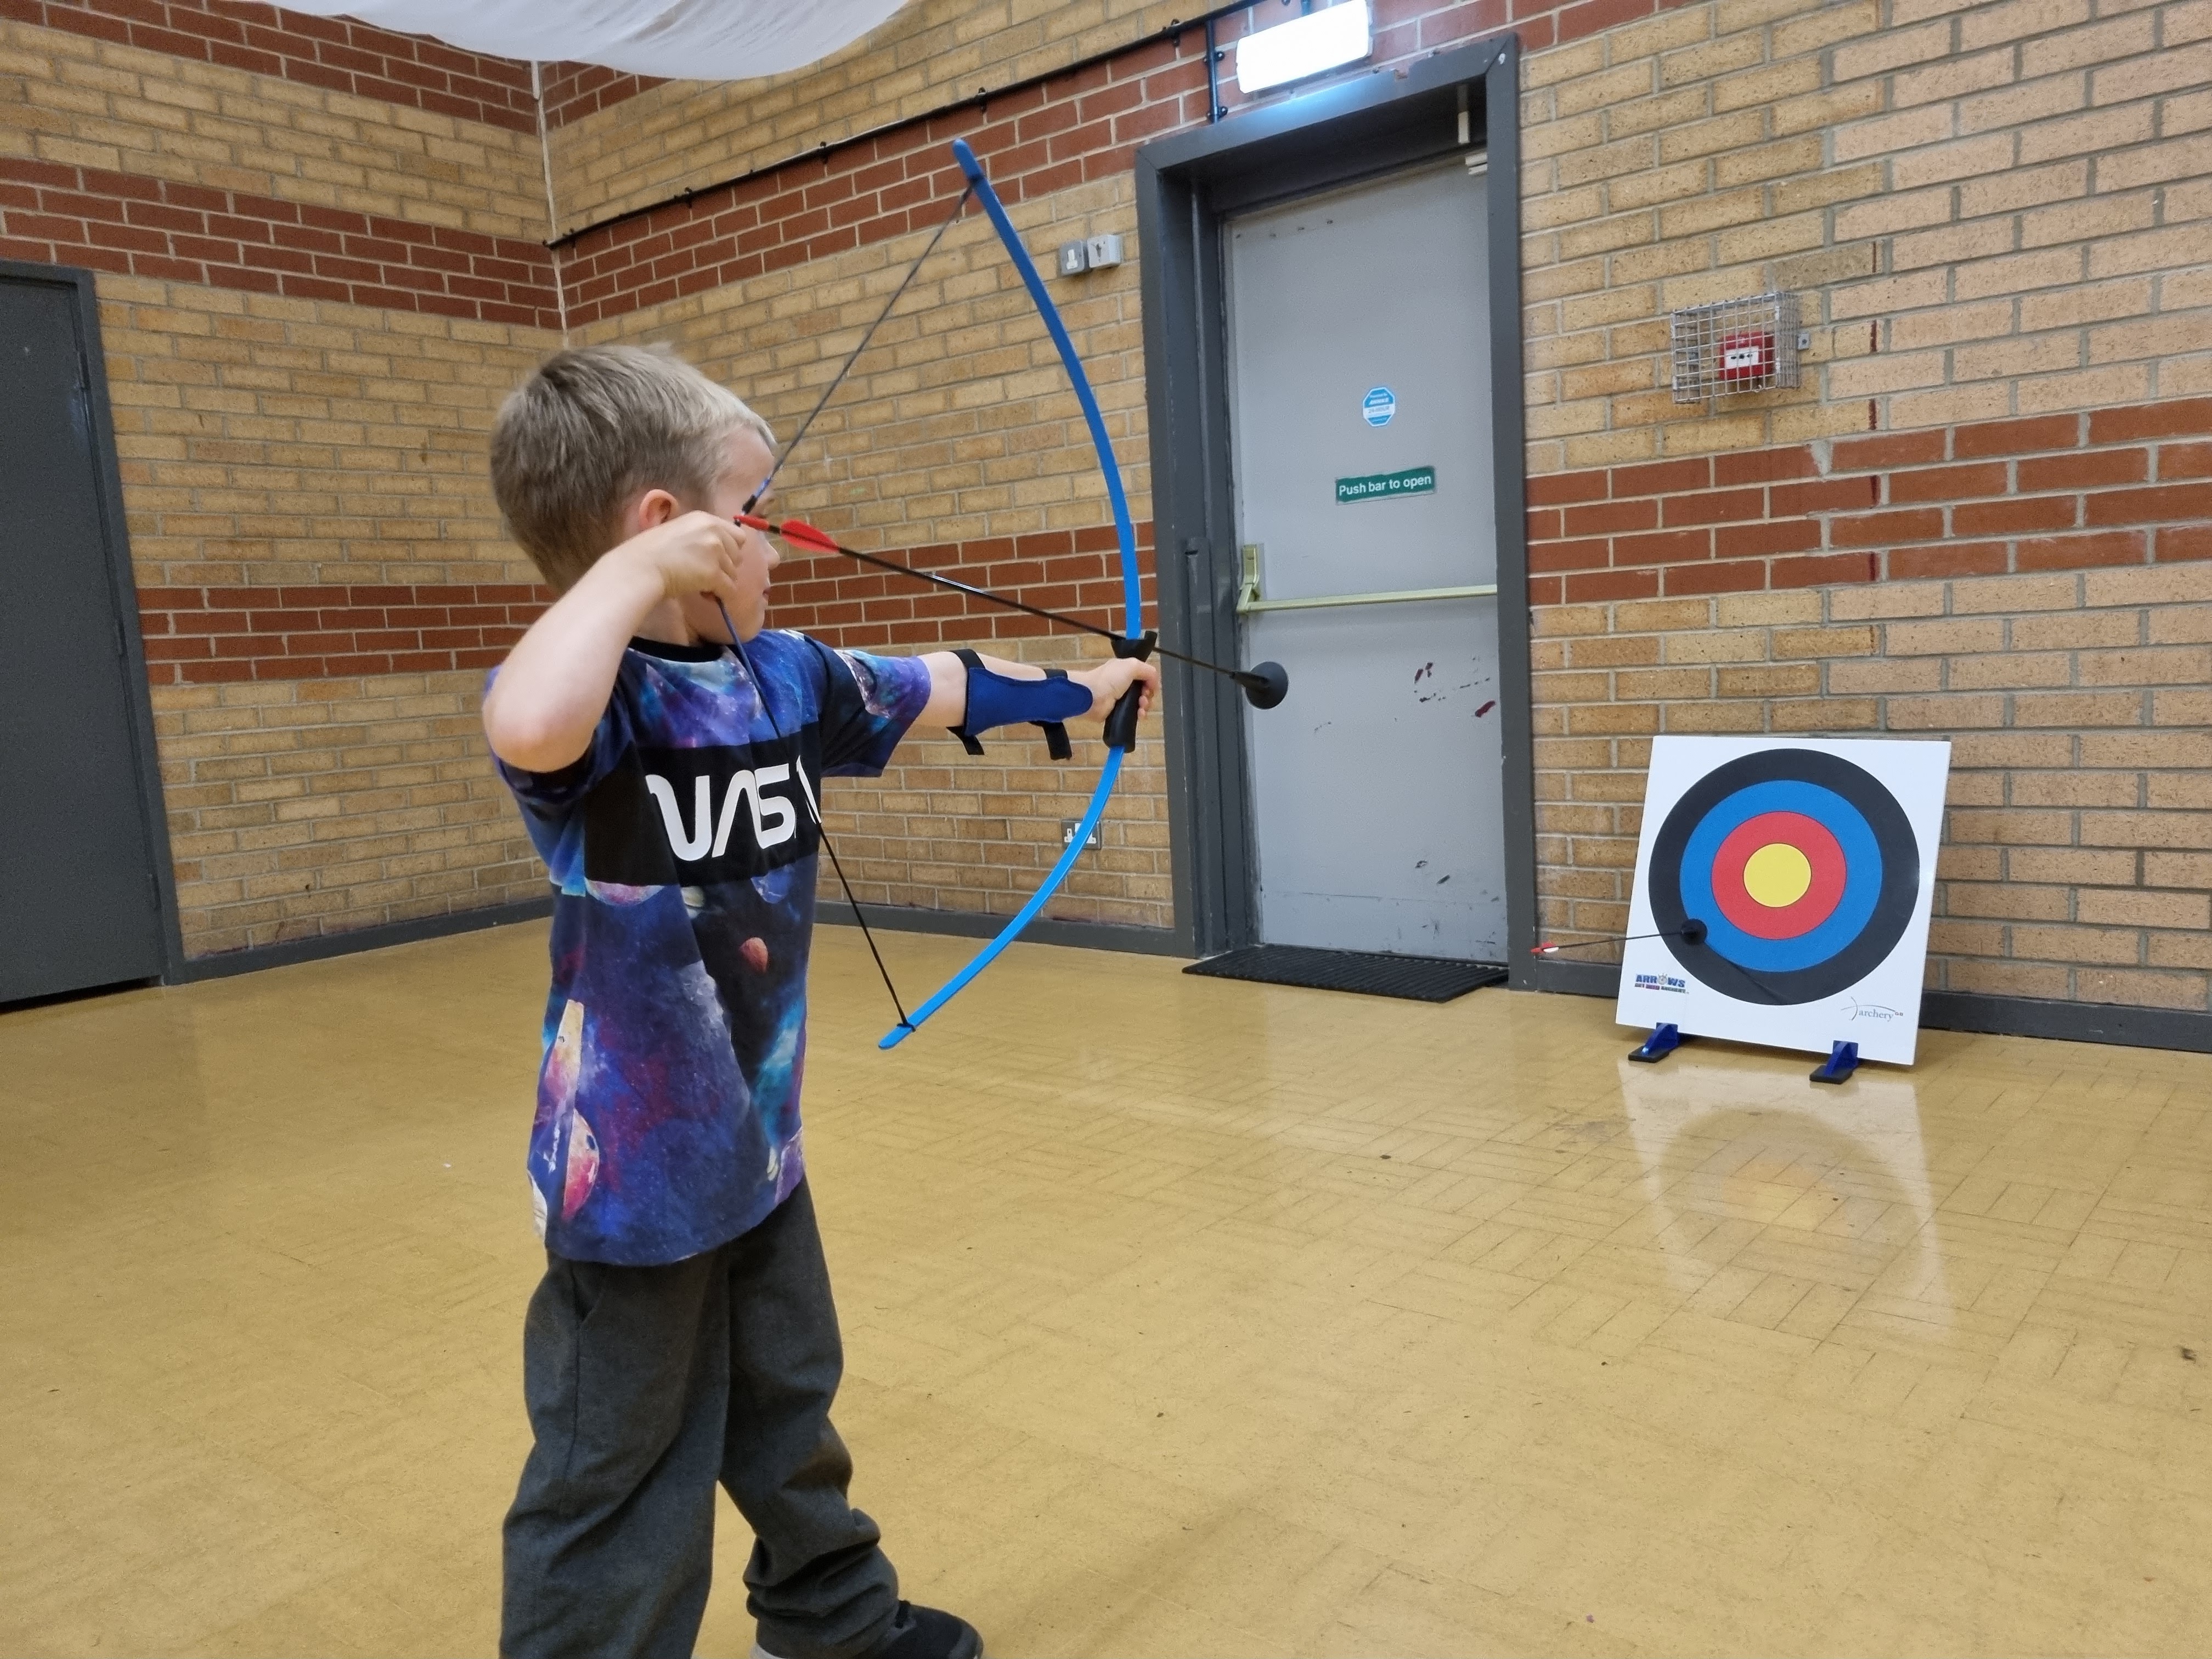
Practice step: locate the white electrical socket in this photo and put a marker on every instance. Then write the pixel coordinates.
(1074, 259)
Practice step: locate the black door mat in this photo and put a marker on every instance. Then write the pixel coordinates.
(1418, 979)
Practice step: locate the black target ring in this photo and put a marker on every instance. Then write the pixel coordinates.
(1896, 890)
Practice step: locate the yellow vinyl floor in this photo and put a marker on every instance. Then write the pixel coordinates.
(1183, 1317)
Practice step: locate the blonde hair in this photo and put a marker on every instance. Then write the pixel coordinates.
(592, 428)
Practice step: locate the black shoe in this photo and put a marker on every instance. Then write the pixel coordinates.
(927, 1633)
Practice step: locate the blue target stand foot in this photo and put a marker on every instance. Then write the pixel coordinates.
(1662, 1041)
(1841, 1061)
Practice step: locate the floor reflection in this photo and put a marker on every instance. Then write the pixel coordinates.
(1723, 1149)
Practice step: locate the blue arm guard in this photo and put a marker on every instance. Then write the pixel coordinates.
(993, 701)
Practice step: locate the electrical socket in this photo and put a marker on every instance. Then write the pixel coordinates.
(1067, 828)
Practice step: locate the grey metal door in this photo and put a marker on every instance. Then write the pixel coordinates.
(1358, 342)
(80, 903)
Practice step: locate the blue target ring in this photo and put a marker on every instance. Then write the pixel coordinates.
(1863, 866)
(1882, 876)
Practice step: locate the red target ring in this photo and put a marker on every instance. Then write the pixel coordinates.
(1754, 912)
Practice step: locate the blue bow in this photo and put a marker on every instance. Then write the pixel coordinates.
(1124, 535)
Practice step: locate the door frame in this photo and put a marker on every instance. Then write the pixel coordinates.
(122, 590)
(1187, 186)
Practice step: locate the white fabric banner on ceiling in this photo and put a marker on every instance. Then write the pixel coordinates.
(680, 39)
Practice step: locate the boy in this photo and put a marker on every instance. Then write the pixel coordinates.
(683, 1332)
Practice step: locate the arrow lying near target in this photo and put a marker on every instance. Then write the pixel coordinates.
(1691, 932)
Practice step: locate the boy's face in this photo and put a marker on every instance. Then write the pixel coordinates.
(748, 461)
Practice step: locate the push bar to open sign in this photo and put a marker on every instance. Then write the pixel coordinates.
(1248, 602)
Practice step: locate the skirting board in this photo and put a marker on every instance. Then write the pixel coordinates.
(2185, 1029)
(1086, 935)
(256, 958)
(1083, 935)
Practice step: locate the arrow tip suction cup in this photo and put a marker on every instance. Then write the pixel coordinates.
(1693, 932)
(1264, 684)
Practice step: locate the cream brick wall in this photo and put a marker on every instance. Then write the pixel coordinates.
(1987, 210)
(85, 102)
(2079, 847)
(269, 442)
(299, 808)
(266, 442)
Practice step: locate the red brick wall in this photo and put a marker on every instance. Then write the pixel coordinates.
(209, 636)
(573, 92)
(234, 239)
(335, 53)
(847, 603)
(2051, 492)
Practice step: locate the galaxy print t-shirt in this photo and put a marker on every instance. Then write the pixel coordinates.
(682, 847)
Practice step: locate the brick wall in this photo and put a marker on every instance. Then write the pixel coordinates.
(335, 54)
(1085, 127)
(322, 762)
(79, 100)
(319, 252)
(1969, 259)
(1989, 209)
(302, 807)
(630, 143)
(321, 261)
(654, 140)
(1975, 518)
(238, 239)
(575, 91)
(2032, 589)
(214, 636)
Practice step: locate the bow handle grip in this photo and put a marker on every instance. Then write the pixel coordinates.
(1122, 723)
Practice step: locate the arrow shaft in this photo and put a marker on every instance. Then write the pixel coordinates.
(817, 540)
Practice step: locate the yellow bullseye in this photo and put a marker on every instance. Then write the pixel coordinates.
(1776, 875)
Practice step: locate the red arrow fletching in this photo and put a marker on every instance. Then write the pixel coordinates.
(799, 533)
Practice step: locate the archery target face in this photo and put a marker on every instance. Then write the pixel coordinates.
(1812, 864)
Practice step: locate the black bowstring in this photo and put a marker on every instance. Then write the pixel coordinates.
(830, 391)
(813, 807)
(760, 687)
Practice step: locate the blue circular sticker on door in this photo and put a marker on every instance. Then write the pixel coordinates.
(1379, 406)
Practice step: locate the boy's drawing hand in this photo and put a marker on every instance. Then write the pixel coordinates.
(692, 553)
(1108, 680)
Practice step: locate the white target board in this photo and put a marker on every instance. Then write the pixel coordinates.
(1790, 881)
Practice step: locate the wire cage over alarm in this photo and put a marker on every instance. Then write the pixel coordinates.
(1734, 346)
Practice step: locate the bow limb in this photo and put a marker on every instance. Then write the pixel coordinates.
(1124, 535)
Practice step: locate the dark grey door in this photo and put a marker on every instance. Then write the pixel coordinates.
(80, 900)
